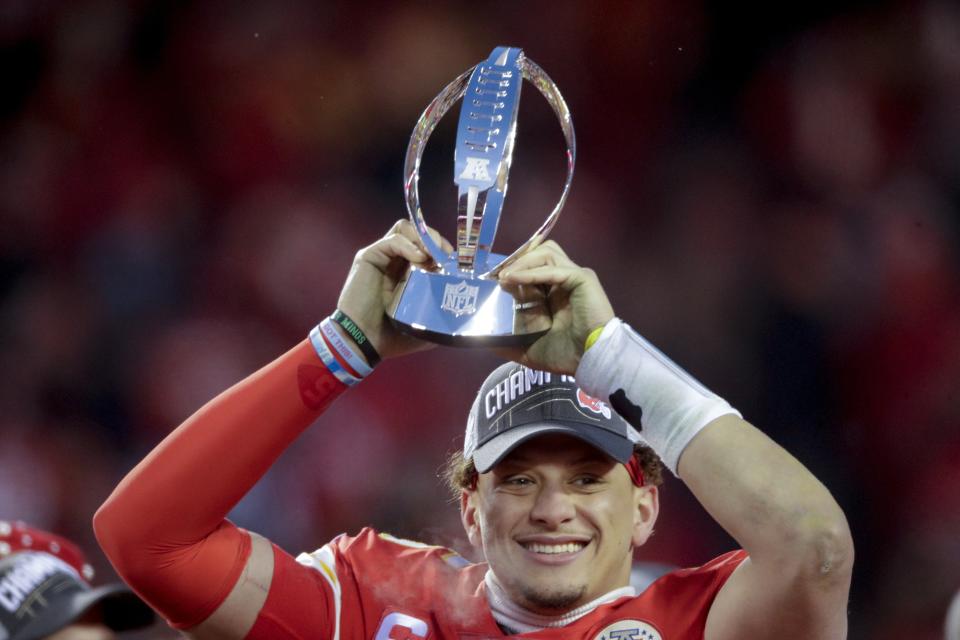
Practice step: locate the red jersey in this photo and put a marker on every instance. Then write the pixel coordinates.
(374, 586)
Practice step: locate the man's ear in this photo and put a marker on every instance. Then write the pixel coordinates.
(468, 516)
(646, 501)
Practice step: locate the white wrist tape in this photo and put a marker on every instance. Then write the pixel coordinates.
(662, 401)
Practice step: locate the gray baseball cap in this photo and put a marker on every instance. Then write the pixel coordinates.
(44, 587)
(516, 403)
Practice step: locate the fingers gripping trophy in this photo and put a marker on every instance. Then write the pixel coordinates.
(459, 300)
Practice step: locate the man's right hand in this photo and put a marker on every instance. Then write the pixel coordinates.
(377, 270)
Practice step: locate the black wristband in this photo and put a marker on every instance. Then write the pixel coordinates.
(361, 340)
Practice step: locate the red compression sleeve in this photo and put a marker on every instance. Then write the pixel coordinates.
(163, 527)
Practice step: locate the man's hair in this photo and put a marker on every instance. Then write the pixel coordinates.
(459, 473)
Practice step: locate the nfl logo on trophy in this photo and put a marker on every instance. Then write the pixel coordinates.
(458, 300)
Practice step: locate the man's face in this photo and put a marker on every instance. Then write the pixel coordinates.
(557, 521)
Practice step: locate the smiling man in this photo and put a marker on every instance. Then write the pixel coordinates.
(557, 484)
(542, 493)
(557, 491)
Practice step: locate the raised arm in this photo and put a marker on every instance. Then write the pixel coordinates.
(164, 526)
(796, 581)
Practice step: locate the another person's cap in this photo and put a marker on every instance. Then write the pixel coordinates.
(952, 627)
(45, 586)
(516, 403)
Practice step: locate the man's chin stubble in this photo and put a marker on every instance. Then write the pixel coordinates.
(555, 601)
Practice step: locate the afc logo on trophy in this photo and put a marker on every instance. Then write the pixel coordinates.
(476, 169)
(460, 299)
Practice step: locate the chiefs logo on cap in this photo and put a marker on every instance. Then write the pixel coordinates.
(593, 404)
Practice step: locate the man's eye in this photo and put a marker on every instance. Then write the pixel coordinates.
(518, 481)
(586, 481)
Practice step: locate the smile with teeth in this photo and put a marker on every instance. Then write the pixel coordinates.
(566, 547)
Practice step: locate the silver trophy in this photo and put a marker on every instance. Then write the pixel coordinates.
(460, 301)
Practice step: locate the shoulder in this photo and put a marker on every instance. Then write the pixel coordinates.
(376, 577)
(675, 605)
(370, 561)
(698, 585)
(720, 567)
(372, 549)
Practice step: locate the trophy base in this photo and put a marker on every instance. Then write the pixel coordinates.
(462, 311)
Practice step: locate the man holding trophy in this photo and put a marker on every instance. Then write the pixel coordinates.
(557, 478)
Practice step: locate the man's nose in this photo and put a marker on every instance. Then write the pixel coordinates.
(553, 507)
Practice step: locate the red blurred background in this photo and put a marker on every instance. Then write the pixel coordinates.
(769, 196)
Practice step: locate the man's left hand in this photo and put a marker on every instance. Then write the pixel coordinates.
(576, 300)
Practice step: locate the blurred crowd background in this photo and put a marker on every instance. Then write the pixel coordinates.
(771, 196)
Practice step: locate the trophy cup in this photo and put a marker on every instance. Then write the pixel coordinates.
(460, 301)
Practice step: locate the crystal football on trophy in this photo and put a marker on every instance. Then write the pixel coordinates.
(459, 301)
